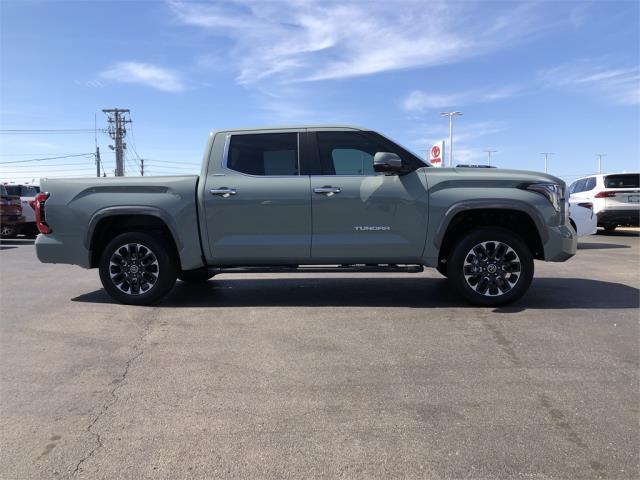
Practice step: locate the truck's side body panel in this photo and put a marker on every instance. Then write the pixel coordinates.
(267, 221)
(76, 206)
(381, 218)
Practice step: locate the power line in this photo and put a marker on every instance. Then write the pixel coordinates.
(30, 154)
(172, 168)
(76, 170)
(48, 132)
(133, 139)
(40, 165)
(170, 161)
(48, 158)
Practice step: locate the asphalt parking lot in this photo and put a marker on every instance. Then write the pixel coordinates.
(276, 376)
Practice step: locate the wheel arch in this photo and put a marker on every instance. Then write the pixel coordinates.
(516, 216)
(109, 222)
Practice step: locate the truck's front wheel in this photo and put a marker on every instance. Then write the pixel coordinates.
(490, 267)
(137, 268)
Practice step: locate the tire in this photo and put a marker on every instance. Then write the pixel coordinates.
(124, 275)
(610, 228)
(505, 281)
(31, 231)
(200, 275)
(8, 230)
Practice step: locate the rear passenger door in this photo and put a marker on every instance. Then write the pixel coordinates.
(257, 205)
(360, 216)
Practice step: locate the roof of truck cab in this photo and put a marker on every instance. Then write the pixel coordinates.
(273, 128)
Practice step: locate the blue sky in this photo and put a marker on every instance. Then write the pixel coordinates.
(562, 77)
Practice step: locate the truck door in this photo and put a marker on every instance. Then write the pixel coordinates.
(257, 205)
(360, 216)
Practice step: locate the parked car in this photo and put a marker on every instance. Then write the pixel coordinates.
(10, 213)
(308, 199)
(27, 194)
(582, 218)
(615, 198)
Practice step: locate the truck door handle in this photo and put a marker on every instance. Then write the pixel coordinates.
(327, 190)
(223, 191)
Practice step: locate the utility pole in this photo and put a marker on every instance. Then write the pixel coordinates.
(117, 131)
(546, 160)
(450, 115)
(489, 152)
(600, 155)
(97, 161)
(142, 167)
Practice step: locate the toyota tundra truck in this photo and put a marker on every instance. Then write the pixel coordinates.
(308, 199)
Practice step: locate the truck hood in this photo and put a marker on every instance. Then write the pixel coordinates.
(501, 176)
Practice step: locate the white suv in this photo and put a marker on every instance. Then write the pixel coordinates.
(615, 198)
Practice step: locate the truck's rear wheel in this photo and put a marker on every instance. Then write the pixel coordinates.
(490, 267)
(137, 268)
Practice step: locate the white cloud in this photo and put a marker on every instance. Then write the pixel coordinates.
(419, 101)
(620, 85)
(466, 148)
(145, 74)
(300, 40)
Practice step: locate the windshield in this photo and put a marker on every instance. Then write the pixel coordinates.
(3, 190)
(631, 180)
(13, 190)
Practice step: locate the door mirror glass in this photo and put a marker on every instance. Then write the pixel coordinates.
(387, 162)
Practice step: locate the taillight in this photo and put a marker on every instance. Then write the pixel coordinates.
(40, 216)
(605, 194)
(586, 205)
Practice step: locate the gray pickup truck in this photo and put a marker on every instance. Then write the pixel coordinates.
(308, 199)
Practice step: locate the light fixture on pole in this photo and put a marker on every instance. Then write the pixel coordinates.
(600, 155)
(450, 115)
(546, 160)
(489, 152)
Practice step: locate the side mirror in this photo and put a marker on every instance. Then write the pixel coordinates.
(387, 162)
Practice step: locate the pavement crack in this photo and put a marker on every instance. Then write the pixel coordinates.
(138, 351)
(504, 342)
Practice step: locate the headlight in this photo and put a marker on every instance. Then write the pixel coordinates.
(551, 191)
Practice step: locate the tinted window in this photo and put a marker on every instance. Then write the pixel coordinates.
(13, 190)
(3, 190)
(622, 181)
(351, 161)
(590, 183)
(264, 154)
(572, 187)
(579, 186)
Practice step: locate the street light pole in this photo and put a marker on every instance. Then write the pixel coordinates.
(489, 152)
(546, 160)
(450, 115)
(600, 155)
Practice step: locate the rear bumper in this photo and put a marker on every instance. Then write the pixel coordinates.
(561, 244)
(627, 216)
(51, 249)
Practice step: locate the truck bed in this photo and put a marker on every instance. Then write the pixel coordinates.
(77, 205)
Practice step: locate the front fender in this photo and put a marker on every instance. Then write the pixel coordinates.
(487, 204)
